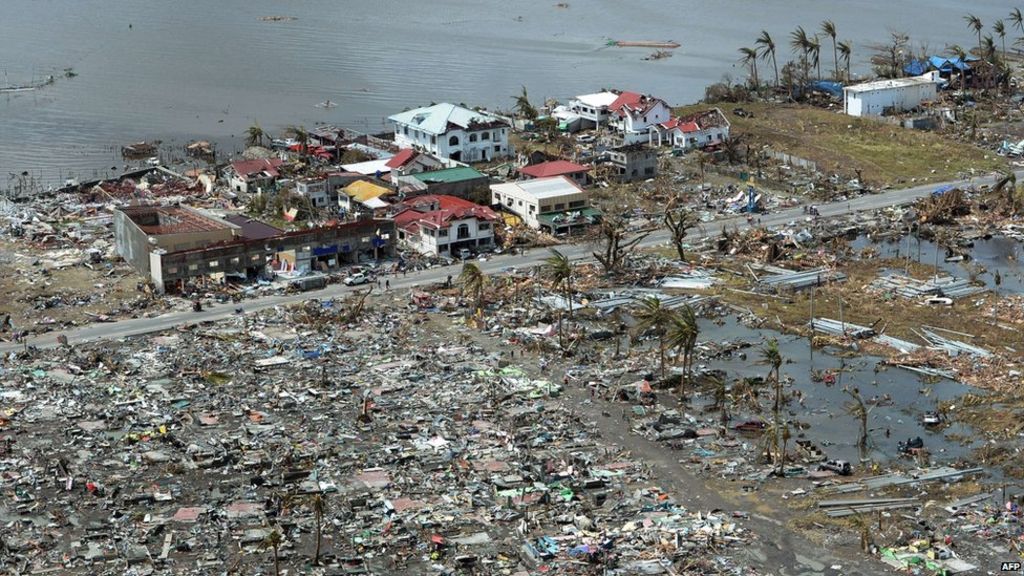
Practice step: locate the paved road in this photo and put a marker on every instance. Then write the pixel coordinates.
(137, 326)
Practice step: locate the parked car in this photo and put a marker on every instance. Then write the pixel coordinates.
(841, 467)
(465, 254)
(356, 279)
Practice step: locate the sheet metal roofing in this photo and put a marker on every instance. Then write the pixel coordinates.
(541, 188)
(437, 118)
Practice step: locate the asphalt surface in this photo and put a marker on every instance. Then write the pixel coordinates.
(494, 263)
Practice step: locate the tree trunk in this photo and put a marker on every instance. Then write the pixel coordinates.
(776, 66)
(277, 562)
(661, 352)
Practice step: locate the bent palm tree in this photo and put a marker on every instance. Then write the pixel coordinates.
(845, 50)
(814, 51)
(254, 135)
(974, 23)
(767, 46)
(829, 28)
(473, 280)
(1017, 19)
(653, 316)
(1000, 29)
(800, 43)
(523, 106)
(558, 269)
(751, 59)
(771, 356)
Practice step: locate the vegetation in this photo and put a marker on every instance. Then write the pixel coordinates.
(767, 47)
(523, 107)
(682, 333)
(652, 315)
(679, 221)
(254, 135)
(773, 359)
(613, 238)
(473, 281)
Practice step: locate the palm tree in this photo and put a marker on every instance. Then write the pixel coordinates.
(319, 506)
(988, 48)
(750, 59)
(301, 136)
(786, 435)
(682, 332)
(974, 23)
(720, 394)
(814, 50)
(558, 269)
(771, 356)
(1000, 29)
(829, 28)
(653, 316)
(845, 50)
(858, 410)
(1017, 19)
(800, 43)
(254, 135)
(767, 46)
(273, 541)
(473, 280)
(523, 106)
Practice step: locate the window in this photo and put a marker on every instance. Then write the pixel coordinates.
(485, 136)
(483, 226)
(545, 208)
(649, 171)
(193, 267)
(453, 141)
(213, 264)
(234, 261)
(497, 148)
(463, 232)
(443, 233)
(497, 135)
(433, 139)
(577, 204)
(365, 240)
(172, 270)
(405, 130)
(520, 202)
(532, 209)
(559, 206)
(472, 137)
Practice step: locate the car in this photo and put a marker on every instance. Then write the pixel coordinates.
(841, 467)
(465, 254)
(585, 138)
(356, 279)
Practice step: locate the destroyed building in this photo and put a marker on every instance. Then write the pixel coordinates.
(172, 245)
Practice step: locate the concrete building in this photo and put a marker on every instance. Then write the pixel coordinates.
(634, 162)
(557, 204)
(461, 181)
(453, 132)
(172, 245)
(253, 175)
(698, 130)
(322, 190)
(890, 96)
(438, 225)
(593, 108)
(362, 197)
(634, 114)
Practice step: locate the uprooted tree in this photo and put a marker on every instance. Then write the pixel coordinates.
(679, 221)
(614, 239)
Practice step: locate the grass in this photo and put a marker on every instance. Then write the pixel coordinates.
(885, 154)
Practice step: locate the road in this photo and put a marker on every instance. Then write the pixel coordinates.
(138, 326)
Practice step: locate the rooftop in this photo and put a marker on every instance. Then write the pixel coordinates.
(541, 188)
(437, 119)
(253, 229)
(598, 99)
(893, 83)
(457, 174)
(403, 157)
(162, 220)
(553, 168)
(437, 210)
(361, 190)
(248, 167)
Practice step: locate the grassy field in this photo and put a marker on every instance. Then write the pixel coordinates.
(886, 154)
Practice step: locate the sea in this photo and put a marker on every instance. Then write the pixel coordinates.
(182, 70)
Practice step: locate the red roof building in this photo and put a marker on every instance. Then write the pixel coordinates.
(576, 172)
(441, 224)
(403, 157)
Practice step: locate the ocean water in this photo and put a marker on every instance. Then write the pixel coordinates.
(178, 70)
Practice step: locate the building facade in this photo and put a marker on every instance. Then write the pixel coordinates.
(890, 96)
(438, 225)
(453, 132)
(555, 204)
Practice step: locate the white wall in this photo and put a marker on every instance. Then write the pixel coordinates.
(874, 102)
(470, 150)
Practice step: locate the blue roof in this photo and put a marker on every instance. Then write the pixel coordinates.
(944, 64)
(915, 68)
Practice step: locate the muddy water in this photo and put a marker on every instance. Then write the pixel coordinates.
(822, 408)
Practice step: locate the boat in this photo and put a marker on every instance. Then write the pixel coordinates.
(138, 150)
(326, 104)
(931, 419)
(644, 44)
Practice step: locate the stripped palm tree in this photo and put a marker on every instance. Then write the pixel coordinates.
(958, 52)
(974, 23)
(767, 46)
(846, 50)
(800, 43)
(273, 541)
(473, 280)
(859, 410)
(988, 48)
(829, 28)
(771, 357)
(999, 27)
(653, 316)
(750, 59)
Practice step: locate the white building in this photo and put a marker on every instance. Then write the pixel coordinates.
(890, 96)
(694, 131)
(593, 108)
(453, 132)
(437, 225)
(556, 204)
(634, 115)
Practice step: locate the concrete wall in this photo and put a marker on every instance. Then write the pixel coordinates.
(131, 243)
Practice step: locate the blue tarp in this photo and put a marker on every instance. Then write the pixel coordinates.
(942, 190)
(916, 67)
(834, 89)
(944, 64)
